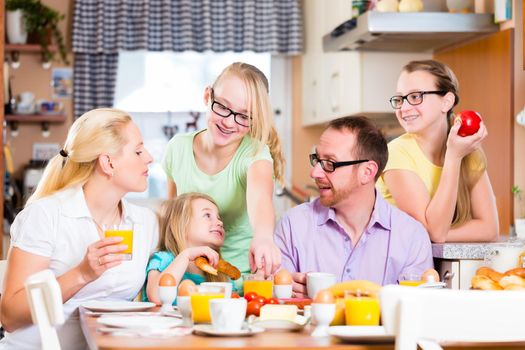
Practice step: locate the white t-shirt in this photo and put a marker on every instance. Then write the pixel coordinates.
(61, 228)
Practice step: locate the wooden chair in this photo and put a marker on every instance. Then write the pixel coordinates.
(45, 301)
(426, 317)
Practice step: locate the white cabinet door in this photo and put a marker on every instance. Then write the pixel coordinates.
(311, 89)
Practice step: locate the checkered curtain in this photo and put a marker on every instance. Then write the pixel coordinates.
(101, 28)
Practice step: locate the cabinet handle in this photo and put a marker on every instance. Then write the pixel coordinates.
(334, 92)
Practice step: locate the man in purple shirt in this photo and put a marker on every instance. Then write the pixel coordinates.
(350, 230)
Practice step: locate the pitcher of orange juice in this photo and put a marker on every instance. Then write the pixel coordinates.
(200, 302)
(258, 284)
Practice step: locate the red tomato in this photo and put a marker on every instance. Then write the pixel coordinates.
(469, 123)
(250, 296)
(253, 308)
(235, 295)
(272, 301)
(261, 299)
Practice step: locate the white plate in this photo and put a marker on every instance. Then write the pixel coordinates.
(117, 305)
(361, 334)
(282, 325)
(207, 329)
(140, 322)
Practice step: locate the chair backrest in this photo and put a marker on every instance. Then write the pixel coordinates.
(3, 267)
(45, 301)
(413, 314)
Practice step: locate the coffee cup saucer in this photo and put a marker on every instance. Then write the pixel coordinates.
(207, 329)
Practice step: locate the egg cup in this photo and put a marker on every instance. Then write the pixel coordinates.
(322, 316)
(184, 305)
(282, 291)
(167, 295)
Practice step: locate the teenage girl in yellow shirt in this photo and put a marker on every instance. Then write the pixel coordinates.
(434, 174)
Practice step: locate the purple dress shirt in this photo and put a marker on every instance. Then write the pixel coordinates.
(393, 243)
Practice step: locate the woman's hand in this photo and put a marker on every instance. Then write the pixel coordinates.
(461, 146)
(264, 255)
(100, 256)
(194, 252)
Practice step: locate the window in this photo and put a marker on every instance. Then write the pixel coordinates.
(163, 92)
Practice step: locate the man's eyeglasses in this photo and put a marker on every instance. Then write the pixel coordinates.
(414, 98)
(223, 111)
(329, 166)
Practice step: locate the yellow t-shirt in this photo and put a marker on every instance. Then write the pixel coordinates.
(404, 154)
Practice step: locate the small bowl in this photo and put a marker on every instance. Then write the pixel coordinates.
(282, 291)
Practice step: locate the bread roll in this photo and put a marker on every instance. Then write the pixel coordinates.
(490, 273)
(484, 283)
(519, 271)
(512, 279)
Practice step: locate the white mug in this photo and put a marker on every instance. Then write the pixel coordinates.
(227, 315)
(226, 285)
(315, 281)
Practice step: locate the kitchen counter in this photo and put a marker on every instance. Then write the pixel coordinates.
(460, 251)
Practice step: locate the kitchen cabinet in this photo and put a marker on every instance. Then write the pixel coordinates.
(338, 84)
(459, 272)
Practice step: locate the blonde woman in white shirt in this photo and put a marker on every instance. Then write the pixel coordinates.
(61, 227)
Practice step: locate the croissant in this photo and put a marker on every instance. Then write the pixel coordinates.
(519, 271)
(223, 266)
(490, 273)
(484, 283)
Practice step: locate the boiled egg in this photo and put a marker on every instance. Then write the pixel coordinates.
(430, 275)
(324, 296)
(282, 277)
(186, 288)
(167, 280)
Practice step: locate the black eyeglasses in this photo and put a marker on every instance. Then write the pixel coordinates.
(414, 98)
(329, 166)
(223, 111)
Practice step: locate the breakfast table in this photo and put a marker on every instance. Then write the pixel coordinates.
(276, 340)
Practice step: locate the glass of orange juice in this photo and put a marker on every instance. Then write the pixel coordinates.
(361, 309)
(200, 302)
(124, 230)
(258, 284)
(410, 279)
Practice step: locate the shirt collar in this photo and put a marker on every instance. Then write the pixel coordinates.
(380, 214)
(74, 205)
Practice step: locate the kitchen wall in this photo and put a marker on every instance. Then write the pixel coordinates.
(519, 96)
(32, 77)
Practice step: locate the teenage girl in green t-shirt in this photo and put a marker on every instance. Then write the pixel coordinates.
(239, 114)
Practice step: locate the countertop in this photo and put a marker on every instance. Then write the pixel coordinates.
(468, 250)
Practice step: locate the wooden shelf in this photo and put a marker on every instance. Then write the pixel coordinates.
(30, 48)
(35, 118)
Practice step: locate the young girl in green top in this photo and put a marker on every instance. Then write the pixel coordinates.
(190, 227)
(234, 160)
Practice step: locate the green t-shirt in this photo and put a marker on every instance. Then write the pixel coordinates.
(227, 188)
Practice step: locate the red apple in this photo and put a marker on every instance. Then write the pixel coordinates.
(469, 123)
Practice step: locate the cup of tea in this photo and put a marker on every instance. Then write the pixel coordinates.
(124, 230)
(227, 314)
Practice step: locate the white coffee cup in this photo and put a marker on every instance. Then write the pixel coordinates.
(315, 281)
(227, 315)
(226, 285)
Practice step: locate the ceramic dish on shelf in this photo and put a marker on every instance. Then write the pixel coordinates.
(117, 305)
(361, 334)
(140, 322)
(207, 329)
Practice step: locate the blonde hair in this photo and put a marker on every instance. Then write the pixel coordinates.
(95, 132)
(475, 163)
(262, 126)
(174, 222)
